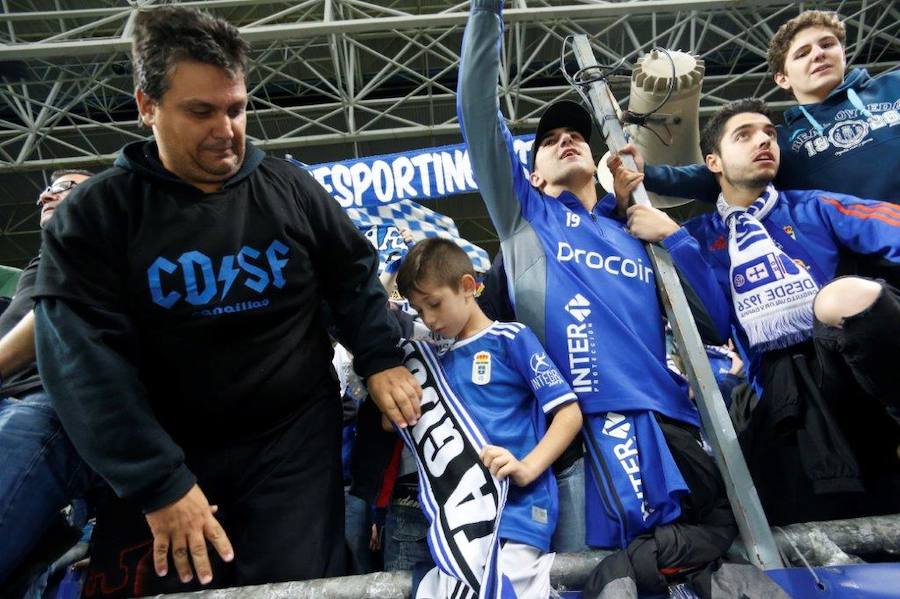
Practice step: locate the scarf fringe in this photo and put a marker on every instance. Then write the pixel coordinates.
(788, 327)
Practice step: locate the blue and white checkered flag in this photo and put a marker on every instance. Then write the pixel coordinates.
(382, 224)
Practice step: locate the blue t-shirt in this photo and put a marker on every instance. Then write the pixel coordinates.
(509, 384)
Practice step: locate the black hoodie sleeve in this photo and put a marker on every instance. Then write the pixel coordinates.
(86, 361)
(347, 266)
(87, 350)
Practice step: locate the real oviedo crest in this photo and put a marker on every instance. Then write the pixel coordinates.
(481, 368)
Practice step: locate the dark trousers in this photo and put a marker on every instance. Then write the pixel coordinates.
(693, 543)
(281, 503)
(819, 444)
(863, 353)
(707, 525)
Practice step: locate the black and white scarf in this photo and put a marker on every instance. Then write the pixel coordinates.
(461, 499)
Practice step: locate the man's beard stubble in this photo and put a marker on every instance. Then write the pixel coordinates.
(747, 183)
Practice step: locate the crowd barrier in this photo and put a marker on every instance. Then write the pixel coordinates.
(833, 543)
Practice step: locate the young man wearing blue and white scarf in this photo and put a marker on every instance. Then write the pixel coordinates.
(811, 338)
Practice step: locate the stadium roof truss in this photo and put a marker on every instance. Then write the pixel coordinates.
(332, 79)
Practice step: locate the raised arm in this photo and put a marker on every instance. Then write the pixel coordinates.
(691, 181)
(496, 166)
(708, 303)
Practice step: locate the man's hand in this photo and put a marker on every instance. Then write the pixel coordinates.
(375, 538)
(184, 527)
(645, 223)
(650, 224)
(631, 150)
(502, 464)
(386, 424)
(737, 365)
(625, 180)
(396, 392)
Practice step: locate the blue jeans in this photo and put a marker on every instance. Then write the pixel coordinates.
(358, 531)
(570, 532)
(40, 473)
(405, 530)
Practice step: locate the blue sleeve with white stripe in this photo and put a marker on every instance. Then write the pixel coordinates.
(531, 360)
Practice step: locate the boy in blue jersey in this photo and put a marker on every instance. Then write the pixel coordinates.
(813, 340)
(510, 386)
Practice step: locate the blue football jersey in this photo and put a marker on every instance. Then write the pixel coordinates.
(509, 384)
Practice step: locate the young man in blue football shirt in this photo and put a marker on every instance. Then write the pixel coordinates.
(510, 385)
(587, 289)
(813, 341)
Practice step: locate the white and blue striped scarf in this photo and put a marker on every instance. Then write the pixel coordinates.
(772, 295)
(461, 499)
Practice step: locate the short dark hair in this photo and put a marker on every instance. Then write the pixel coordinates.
(434, 261)
(69, 171)
(712, 133)
(166, 35)
(781, 41)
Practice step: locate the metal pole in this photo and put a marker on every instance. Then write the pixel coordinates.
(717, 425)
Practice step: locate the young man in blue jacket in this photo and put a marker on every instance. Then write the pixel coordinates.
(844, 133)
(587, 290)
(811, 338)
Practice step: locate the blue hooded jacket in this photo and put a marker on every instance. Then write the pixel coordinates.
(849, 143)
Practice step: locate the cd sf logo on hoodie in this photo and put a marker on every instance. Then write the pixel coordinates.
(200, 280)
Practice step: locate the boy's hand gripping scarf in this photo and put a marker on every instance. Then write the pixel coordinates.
(772, 295)
(461, 499)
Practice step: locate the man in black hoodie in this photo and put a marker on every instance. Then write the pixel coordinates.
(180, 334)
